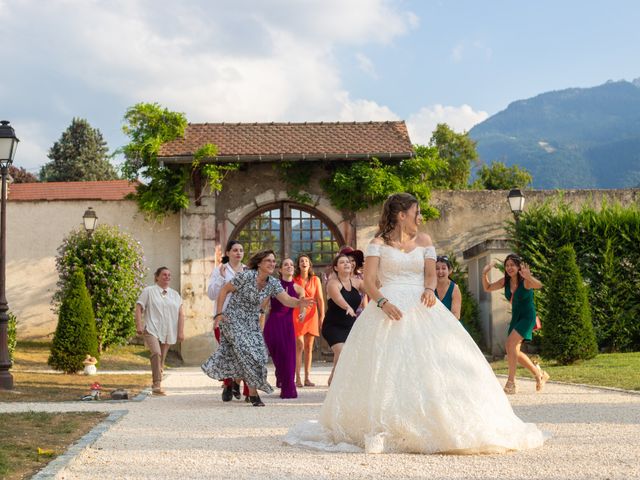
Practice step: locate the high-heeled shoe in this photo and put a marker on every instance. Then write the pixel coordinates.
(510, 388)
(236, 390)
(255, 401)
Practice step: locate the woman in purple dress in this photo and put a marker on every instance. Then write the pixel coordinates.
(279, 335)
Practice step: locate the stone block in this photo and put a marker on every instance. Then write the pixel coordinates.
(266, 197)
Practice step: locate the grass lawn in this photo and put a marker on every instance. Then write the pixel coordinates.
(619, 370)
(32, 382)
(29, 441)
(33, 355)
(59, 387)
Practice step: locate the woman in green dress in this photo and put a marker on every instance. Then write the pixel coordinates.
(518, 284)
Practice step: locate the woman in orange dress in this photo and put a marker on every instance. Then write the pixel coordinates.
(307, 323)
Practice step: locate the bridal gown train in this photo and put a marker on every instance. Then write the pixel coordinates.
(417, 385)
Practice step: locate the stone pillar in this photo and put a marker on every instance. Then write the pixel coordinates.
(495, 311)
(197, 258)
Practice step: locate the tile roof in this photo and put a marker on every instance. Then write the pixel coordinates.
(295, 141)
(103, 190)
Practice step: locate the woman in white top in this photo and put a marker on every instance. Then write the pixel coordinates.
(163, 322)
(231, 265)
(410, 378)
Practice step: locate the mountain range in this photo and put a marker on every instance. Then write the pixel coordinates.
(573, 138)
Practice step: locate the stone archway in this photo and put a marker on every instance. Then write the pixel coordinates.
(289, 229)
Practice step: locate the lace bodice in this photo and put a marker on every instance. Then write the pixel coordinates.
(400, 268)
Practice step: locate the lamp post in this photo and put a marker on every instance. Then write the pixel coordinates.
(89, 219)
(8, 145)
(516, 202)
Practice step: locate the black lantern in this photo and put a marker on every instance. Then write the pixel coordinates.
(89, 219)
(516, 202)
(8, 145)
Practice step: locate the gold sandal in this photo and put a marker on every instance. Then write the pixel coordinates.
(541, 379)
(510, 388)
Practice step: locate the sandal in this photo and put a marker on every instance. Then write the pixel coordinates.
(541, 379)
(309, 383)
(299, 383)
(510, 388)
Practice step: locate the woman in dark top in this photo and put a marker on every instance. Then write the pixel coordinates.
(518, 284)
(447, 291)
(344, 298)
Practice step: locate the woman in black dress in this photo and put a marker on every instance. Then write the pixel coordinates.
(344, 298)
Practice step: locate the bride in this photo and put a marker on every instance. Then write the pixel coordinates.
(410, 378)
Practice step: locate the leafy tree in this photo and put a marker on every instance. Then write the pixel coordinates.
(498, 176)
(458, 150)
(79, 156)
(75, 334)
(20, 175)
(568, 333)
(112, 263)
(149, 126)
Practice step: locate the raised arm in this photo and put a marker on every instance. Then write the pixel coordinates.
(216, 281)
(486, 284)
(529, 280)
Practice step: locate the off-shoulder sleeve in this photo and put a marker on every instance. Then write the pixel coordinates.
(373, 250)
(430, 252)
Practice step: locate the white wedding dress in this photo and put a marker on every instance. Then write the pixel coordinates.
(417, 385)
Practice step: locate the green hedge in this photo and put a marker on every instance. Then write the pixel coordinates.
(568, 331)
(75, 334)
(607, 246)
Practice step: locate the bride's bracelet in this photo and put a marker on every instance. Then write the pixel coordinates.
(429, 288)
(381, 301)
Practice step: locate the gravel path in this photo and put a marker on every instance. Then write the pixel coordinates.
(191, 434)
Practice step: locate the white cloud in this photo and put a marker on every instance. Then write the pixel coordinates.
(246, 60)
(422, 123)
(32, 149)
(366, 65)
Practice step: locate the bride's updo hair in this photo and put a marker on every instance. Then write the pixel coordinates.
(396, 203)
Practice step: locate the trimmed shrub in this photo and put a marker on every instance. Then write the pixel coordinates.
(75, 335)
(112, 263)
(606, 243)
(12, 326)
(568, 333)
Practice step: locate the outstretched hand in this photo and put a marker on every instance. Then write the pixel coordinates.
(305, 302)
(489, 266)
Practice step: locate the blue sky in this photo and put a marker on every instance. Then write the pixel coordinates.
(299, 60)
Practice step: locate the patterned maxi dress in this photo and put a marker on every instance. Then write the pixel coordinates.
(242, 352)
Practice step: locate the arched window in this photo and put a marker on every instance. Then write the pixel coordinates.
(290, 229)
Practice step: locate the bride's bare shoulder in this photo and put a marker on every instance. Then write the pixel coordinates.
(424, 240)
(377, 241)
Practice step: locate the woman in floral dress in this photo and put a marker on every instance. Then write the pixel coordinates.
(242, 353)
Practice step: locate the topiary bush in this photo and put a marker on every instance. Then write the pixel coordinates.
(568, 333)
(12, 327)
(606, 242)
(75, 334)
(112, 263)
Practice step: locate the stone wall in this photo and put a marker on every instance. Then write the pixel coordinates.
(36, 229)
(205, 229)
